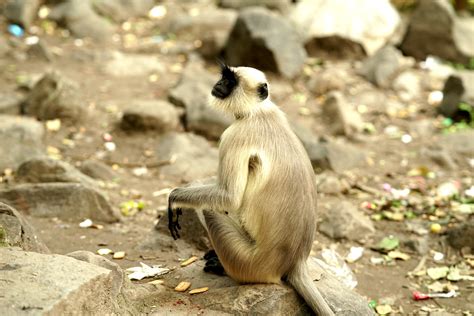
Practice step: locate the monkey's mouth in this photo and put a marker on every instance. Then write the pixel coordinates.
(220, 92)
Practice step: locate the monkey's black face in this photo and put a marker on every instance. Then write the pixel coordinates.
(224, 87)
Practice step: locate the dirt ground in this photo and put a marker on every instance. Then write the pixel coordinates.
(390, 162)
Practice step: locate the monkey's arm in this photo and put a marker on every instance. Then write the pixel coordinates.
(225, 195)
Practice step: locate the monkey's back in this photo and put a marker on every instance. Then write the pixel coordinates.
(279, 202)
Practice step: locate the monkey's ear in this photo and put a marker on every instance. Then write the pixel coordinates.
(221, 63)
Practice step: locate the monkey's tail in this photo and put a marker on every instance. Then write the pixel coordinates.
(299, 278)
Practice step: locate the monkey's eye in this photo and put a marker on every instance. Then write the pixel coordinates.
(262, 91)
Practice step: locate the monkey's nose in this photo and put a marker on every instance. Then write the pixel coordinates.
(219, 91)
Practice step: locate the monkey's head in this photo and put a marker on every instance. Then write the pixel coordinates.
(240, 90)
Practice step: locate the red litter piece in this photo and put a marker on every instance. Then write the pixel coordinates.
(418, 296)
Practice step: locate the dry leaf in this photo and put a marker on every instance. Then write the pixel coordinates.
(182, 286)
(189, 261)
(199, 290)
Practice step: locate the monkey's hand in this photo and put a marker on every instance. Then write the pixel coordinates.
(173, 216)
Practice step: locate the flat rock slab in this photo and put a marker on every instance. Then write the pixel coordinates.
(226, 296)
(67, 201)
(33, 283)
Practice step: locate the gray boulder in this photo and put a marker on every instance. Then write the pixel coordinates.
(81, 19)
(9, 103)
(122, 10)
(67, 201)
(97, 170)
(211, 27)
(381, 68)
(21, 139)
(22, 12)
(15, 231)
(329, 155)
(36, 283)
(42, 170)
(54, 96)
(193, 96)
(145, 115)
(342, 119)
(435, 29)
(338, 28)
(194, 157)
(264, 40)
(343, 220)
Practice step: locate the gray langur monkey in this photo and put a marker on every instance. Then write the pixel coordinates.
(260, 213)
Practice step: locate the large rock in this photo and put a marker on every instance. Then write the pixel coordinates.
(67, 201)
(211, 27)
(81, 19)
(118, 64)
(343, 28)
(121, 10)
(34, 283)
(193, 96)
(15, 231)
(342, 119)
(458, 88)
(145, 115)
(22, 12)
(225, 297)
(381, 68)
(329, 155)
(194, 157)
(42, 170)
(97, 170)
(21, 139)
(54, 96)
(435, 29)
(343, 220)
(266, 41)
(9, 103)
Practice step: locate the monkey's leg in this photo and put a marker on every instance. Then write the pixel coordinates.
(239, 254)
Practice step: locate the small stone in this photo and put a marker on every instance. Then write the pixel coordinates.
(119, 255)
(86, 223)
(104, 251)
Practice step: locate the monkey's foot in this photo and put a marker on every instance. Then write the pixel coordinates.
(213, 265)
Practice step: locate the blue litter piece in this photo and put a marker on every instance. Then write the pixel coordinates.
(16, 30)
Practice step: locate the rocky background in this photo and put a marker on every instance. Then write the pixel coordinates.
(103, 109)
